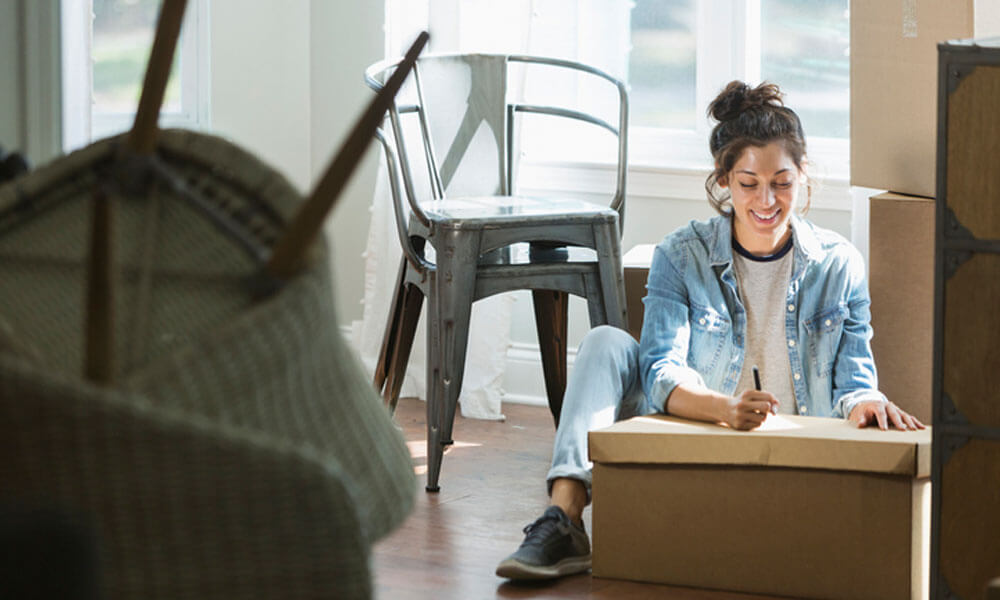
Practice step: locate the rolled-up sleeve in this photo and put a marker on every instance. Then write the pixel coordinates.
(666, 332)
(854, 376)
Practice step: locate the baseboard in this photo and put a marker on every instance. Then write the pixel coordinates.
(523, 381)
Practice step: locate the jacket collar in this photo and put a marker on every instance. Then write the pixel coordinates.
(721, 253)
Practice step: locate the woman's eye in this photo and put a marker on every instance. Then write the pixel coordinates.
(783, 185)
(747, 186)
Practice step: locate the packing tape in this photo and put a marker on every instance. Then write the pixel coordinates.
(909, 18)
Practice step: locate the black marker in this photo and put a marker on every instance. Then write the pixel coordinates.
(756, 385)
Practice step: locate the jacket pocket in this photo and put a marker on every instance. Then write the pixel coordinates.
(709, 330)
(825, 329)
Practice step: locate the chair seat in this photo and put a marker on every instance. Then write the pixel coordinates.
(480, 211)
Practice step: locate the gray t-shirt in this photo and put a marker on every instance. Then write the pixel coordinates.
(763, 285)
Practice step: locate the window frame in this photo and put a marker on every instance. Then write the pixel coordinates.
(78, 118)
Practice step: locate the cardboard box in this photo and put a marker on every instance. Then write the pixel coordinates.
(636, 262)
(894, 89)
(901, 281)
(803, 507)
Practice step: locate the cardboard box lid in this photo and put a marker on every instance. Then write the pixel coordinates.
(783, 441)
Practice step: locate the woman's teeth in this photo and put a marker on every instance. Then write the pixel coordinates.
(765, 217)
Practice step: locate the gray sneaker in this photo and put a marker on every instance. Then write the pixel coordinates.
(553, 547)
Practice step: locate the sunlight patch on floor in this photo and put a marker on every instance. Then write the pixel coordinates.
(418, 448)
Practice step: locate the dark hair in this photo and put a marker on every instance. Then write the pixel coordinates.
(750, 117)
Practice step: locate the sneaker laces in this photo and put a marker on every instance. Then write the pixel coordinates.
(543, 526)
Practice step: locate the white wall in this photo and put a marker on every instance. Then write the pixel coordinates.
(287, 84)
(346, 37)
(260, 81)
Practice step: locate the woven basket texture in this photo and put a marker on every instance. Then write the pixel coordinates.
(241, 452)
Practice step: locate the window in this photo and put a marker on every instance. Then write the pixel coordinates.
(106, 45)
(804, 46)
(684, 52)
(661, 68)
(675, 54)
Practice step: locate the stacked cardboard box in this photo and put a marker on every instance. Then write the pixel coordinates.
(893, 147)
(901, 275)
(894, 89)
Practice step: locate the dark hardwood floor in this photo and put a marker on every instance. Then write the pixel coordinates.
(492, 484)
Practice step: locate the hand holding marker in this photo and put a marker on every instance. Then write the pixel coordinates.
(756, 385)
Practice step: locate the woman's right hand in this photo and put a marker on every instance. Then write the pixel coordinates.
(749, 409)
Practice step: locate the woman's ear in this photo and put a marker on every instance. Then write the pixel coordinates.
(721, 180)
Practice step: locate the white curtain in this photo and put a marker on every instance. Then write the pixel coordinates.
(591, 31)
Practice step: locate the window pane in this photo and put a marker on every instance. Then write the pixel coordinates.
(804, 49)
(662, 64)
(123, 36)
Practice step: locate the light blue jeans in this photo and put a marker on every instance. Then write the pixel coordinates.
(604, 387)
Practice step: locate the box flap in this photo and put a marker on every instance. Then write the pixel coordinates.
(783, 441)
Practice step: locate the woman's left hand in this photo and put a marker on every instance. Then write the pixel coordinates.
(883, 414)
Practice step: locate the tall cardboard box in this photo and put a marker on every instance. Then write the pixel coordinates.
(803, 507)
(894, 89)
(636, 262)
(901, 281)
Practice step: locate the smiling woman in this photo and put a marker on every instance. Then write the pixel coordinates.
(755, 286)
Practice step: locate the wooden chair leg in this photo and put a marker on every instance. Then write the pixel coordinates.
(391, 334)
(409, 316)
(551, 312)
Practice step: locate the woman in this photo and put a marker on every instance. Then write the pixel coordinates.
(755, 287)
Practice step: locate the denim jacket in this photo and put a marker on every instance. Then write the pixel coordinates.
(694, 328)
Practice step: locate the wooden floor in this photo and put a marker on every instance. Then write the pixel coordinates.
(492, 485)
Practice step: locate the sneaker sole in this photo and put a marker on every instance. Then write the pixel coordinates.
(515, 569)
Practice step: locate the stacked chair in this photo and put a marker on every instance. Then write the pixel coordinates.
(466, 233)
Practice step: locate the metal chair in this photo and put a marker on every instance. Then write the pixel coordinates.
(486, 239)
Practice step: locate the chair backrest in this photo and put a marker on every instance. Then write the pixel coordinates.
(465, 123)
(464, 104)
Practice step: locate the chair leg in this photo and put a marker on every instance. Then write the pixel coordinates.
(551, 312)
(413, 299)
(612, 275)
(449, 309)
(391, 334)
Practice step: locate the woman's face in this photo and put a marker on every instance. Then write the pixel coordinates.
(764, 184)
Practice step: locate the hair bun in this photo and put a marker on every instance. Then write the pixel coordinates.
(738, 97)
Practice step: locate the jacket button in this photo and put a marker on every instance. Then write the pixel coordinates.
(791, 343)
(828, 322)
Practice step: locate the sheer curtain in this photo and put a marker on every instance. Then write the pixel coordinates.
(591, 31)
